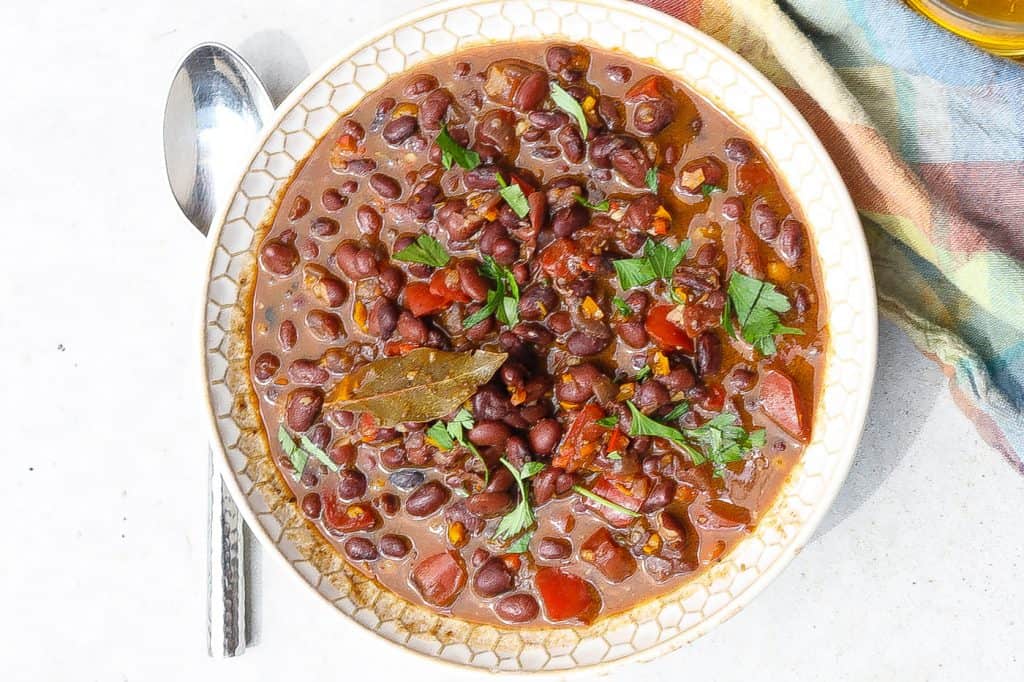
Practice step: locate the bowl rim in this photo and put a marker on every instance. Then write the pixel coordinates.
(858, 411)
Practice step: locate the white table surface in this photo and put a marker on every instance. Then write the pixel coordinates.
(916, 573)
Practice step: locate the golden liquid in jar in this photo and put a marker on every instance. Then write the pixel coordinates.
(995, 25)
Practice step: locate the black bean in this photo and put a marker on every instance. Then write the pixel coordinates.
(554, 548)
(544, 436)
(360, 549)
(395, 546)
(427, 499)
(493, 578)
(738, 150)
(312, 505)
(765, 221)
(407, 479)
(385, 185)
(489, 433)
(709, 353)
(351, 484)
(548, 120)
(569, 219)
(791, 241)
(400, 129)
(582, 344)
(517, 608)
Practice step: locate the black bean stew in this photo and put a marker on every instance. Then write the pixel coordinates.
(649, 278)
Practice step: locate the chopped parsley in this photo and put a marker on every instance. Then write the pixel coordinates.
(600, 206)
(502, 298)
(722, 439)
(756, 305)
(513, 196)
(658, 262)
(569, 105)
(643, 373)
(299, 453)
(707, 189)
(446, 436)
(452, 151)
(677, 412)
(622, 307)
(521, 518)
(426, 250)
(600, 500)
(608, 422)
(651, 179)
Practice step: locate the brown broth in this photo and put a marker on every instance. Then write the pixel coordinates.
(752, 485)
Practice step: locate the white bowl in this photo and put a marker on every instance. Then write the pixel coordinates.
(799, 159)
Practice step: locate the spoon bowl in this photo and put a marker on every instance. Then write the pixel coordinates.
(215, 108)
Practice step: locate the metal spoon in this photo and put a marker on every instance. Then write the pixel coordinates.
(215, 108)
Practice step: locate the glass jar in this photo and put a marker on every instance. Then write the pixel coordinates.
(994, 25)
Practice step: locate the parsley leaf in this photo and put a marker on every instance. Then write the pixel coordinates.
(643, 373)
(299, 455)
(453, 151)
(502, 299)
(724, 441)
(658, 262)
(677, 412)
(314, 450)
(521, 545)
(600, 500)
(296, 455)
(600, 206)
(707, 188)
(614, 455)
(664, 259)
(757, 305)
(426, 250)
(439, 435)
(520, 518)
(608, 422)
(569, 105)
(633, 272)
(651, 179)
(622, 307)
(642, 425)
(446, 436)
(513, 196)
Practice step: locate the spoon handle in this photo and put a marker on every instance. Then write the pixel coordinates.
(225, 572)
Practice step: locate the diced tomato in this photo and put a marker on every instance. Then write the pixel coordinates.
(666, 333)
(612, 559)
(446, 284)
(559, 258)
(582, 441)
(440, 578)
(393, 348)
(421, 301)
(617, 442)
(752, 177)
(780, 400)
(714, 399)
(651, 87)
(566, 596)
(367, 427)
(628, 494)
(348, 518)
(524, 184)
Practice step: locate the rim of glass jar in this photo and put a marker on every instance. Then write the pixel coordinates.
(995, 35)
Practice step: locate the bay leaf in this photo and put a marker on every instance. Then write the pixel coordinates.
(422, 385)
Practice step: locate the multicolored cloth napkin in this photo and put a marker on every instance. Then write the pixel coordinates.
(928, 133)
